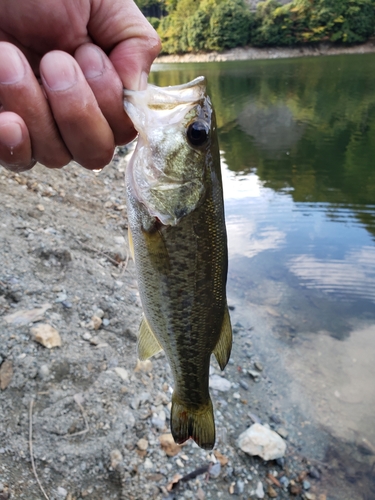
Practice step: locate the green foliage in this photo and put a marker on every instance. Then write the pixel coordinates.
(229, 25)
(154, 21)
(199, 25)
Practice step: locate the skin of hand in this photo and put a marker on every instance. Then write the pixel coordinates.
(63, 67)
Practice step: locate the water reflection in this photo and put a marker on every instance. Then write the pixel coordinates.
(298, 141)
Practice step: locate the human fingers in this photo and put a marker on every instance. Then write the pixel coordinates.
(108, 90)
(82, 125)
(15, 145)
(20, 93)
(120, 28)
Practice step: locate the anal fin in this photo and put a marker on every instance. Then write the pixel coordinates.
(147, 343)
(224, 345)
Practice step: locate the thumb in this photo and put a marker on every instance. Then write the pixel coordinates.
(121, 30)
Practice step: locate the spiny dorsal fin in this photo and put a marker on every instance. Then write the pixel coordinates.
(147, 343)
(224, 344)
(190, 422)
(131, 245)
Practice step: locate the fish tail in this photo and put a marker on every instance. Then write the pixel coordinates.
(196, 423)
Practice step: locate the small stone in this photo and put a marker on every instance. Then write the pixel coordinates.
(314, 473)
(168, 445)
(116, 458)
(310, 496)
(239, 487)
(259, 492)
(148, 464)
(271, 492)
(62, 492)
(258, 366)
(46, 335)
(158, 420)
(143, 366)
(306, 485)
(6, 374)
(236, 395)
(282, 432)
(284, 481)
(44, 371)
(86, 336)
(99, 313)
(244, 385)
(40, 207)
(254, 375)
(180, 463)
(106, 322)
(25, 316)
(219, 383)
(95, 323)
(295, 489)
(214, 470)
(258, 440)
(142, 444)
(122, 373)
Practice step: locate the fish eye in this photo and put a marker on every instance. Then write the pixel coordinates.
(197, 133)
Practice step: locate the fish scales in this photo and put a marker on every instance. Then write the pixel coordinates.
(181, 265)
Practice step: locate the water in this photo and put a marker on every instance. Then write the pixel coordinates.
(298, 153)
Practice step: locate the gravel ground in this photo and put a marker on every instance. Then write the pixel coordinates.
(100, 418)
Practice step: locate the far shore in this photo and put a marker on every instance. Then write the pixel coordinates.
(252, 53)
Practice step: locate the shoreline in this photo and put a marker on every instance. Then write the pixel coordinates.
(253, 53)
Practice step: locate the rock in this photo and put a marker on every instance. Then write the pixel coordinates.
(116, 458)
(148, 464)
(158, 420)
(61, 492)
(168, 445)
(143, 366)
(214, 470)
(44, 371)
(122, 373)
(271, 492)
(6, 374)
(244, 384)
(306, 485)
(86, 336)
(254, 375)
(314, 473)
(142, 444)
(259, 492)
(258, 366)
(40, 207)
(282, 432)
(239, 487)
(284, 481)
(310, 496)
(258, 440)
(219, 383)
(295, 489)
(46, 335)
(25, 316)
(95, 323)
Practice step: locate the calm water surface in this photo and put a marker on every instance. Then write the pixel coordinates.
(298, 152)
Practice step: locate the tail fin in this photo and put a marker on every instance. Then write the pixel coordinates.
(195, 423)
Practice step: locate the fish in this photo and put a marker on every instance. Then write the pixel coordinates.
(178, 242)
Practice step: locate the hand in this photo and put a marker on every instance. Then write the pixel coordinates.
(63, 66)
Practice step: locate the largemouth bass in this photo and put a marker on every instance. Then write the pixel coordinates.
(177, 232)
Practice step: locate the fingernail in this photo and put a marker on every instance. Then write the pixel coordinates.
(12, 68)
(10, 135)
(58, 71)
(91, 63)
(143, 81)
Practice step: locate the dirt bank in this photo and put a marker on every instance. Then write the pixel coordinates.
(252, 53)
(99, 418)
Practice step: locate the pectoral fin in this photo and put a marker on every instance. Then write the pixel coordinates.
(224, 345)
(147, 343)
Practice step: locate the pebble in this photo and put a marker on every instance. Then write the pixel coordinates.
(219, 383)
(271, 492)
(258, 366)
(259, 492)
(314, 473)
(244, 384)
(215, 470)
(284, 481)
(142, 444)
(116, 458)
(236, 395)
(254, 375)
(46, 335)
(258, 440)
(62, 492)
(148, 464)
(306, 485)
(158, 420)
(106, 322)
(282, 432)
(122, 373)
(86, 336)
(239, 487)
(44, 371)
(310, 496)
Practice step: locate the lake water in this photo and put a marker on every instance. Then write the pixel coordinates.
(298, 152)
